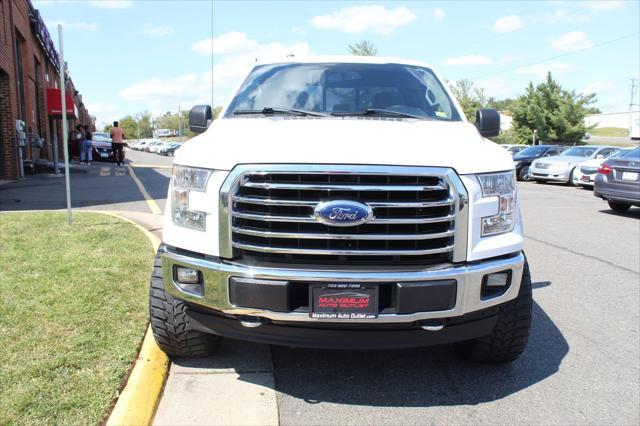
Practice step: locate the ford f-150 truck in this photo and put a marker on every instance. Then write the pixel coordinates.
(342, 202)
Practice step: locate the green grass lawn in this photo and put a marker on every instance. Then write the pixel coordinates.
(73, 313)
(617, 132)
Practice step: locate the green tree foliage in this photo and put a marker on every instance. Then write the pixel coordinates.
(470, 97)
(557, 114)
(107, 128)
(363, 48)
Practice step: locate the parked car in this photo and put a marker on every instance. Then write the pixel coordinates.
(513, 149)
(524, 158)
(618, 181)
(152, 146)
(262, 236)
(101, 147)
(585, 172)
(141, 144)
(169, 149)
(560, 168)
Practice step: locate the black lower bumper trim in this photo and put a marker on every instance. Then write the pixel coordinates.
(352, 336)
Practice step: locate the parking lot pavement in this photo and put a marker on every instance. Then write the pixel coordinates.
(581, 364)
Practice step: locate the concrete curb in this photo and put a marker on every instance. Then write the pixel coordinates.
(139, 399)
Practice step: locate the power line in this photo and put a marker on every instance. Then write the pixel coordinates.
(557, 56)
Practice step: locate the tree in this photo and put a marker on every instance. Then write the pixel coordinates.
(107, 128)
(557, 114)
(470, 98)
(363, 48)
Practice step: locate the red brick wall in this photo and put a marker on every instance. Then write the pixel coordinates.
(14, 18)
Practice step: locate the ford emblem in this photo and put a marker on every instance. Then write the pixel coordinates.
(343, 213)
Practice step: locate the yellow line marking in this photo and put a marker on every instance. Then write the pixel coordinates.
(150, 201)
(151, 166)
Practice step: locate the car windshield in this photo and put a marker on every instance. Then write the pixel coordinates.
(634, 154)
(343, 89)
(581, 151)
(532, 151)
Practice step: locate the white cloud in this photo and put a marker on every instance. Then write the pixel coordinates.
(167, 93)
(438, 14)
(540, 70)
(562, 16)
(155, 31)
(468, 60)
(111, 4)
(230, 42)
(86, 26)
(598, 87)
(602, 6)
(299, 31)
(571, 41)
(494, 87)
(357, 19)
(508, 24)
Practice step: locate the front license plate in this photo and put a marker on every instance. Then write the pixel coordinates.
(343, 301)
(629, 176)
(586, 179)
(103, 155)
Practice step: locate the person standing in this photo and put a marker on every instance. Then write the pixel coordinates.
(87, 146)
(117, 143)
(80, 138)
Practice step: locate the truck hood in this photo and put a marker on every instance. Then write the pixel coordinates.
(291, 140)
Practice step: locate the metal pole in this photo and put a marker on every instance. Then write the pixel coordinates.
(64, 125)
(179, 125)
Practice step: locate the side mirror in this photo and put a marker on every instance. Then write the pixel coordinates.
(488, 122)
(200, 117)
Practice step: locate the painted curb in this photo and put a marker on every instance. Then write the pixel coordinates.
(139, 399)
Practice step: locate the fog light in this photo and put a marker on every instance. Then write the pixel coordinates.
(495, 284)
(187, 275)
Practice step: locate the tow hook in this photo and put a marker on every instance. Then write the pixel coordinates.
(251, 322)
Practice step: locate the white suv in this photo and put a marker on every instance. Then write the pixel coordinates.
(343, 202)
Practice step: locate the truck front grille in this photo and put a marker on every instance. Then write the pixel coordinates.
(414, 217)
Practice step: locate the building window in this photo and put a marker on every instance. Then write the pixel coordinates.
(20, 77)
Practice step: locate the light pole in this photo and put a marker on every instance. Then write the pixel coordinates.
(63, 79)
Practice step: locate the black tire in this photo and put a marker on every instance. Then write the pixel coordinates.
(510, 335)
(619, 207)
(523, 173)
(541, 181)
(570, 182)
(170, 325)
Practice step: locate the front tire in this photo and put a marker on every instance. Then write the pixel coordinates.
(169, 322)
(509, 337)
(523, 173)
(619, 207)
(570, 182)
(542, 181)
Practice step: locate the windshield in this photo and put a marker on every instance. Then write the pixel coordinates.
(581, 151)
(533, 151)
(344, 89)
(633, 153)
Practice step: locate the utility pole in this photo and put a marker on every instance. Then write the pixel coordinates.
(63, 81)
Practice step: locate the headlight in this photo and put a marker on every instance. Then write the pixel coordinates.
(503, 186)
(185, 180)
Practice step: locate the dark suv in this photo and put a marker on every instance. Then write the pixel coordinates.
(618, 181)
(524, 158)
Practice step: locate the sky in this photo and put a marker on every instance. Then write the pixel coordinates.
(126, 57)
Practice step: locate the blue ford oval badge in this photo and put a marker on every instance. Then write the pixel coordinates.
(342, 213)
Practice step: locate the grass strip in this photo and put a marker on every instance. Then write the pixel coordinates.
(73, 312)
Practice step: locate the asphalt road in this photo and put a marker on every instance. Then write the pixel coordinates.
(581, 365)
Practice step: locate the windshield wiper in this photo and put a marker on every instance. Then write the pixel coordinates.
(379, 111)
(272, 111)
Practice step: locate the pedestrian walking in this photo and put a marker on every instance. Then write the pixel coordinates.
(117, 143)
(87, 146)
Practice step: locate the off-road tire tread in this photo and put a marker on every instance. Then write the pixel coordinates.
(170, 324)
(511, 332)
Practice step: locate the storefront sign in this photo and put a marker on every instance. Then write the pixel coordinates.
(42, 33)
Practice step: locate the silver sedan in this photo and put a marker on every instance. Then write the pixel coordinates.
(561, 168)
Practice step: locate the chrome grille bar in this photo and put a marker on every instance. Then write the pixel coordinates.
(317, 236)
(312, 203)
(341, 252)
(311, 219)
(339, 187)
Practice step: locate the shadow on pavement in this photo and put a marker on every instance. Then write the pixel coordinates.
(419, 377)
(101, 184)
(633, 212)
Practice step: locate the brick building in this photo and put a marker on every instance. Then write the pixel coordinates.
(29, 81)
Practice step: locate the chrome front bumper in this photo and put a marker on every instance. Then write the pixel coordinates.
(216, 274)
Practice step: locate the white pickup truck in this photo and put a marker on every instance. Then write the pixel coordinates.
(343, 202)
